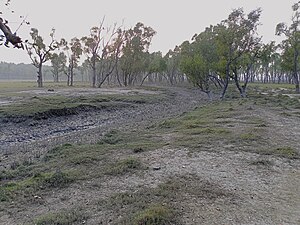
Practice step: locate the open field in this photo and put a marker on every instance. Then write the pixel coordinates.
(149, 156)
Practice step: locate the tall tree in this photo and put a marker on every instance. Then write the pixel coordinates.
(73, 51)
(39, 52)
(292, 43)
(136, 44)
(266, 56)
(95, 46)
(172, 59)
(58, 62)
(155, 66)
(235, 36)
(110, 56)
(199, 59)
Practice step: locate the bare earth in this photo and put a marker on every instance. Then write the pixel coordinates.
(253, 194)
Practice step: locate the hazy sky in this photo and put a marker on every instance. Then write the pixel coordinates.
(174, 21)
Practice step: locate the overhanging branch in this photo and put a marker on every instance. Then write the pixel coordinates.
(15, 40)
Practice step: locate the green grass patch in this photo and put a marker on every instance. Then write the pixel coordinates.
(278, 101)
(112, 137)
(124, 166)
(249, 137)
(146, 140)
(220, 124)
(59, 151)
(65, 217)
(161, 204)
(154, 215)
(30, 186)
(287, 152)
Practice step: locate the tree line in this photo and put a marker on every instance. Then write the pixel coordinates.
(231, 51)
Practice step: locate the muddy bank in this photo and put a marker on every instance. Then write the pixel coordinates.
(85, 123)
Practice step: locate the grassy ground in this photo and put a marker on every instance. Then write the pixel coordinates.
(19, 101)
(235, 125)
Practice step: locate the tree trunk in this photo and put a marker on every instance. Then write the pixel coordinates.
(295, 72)
(145, 78)
(56, 78)
(94, 73)
(118, 77)
(71, 78)
(296, 81)
(68, 80)
(226, 81)
(236, 81)
(40, 76)
(209, 95)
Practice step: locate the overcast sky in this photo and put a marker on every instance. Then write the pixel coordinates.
(174, 20)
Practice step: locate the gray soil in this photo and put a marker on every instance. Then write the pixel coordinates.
(254, 193)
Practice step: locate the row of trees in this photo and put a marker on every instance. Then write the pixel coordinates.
(231, 51)
(107, 50)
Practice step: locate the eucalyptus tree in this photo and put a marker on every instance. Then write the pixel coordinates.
(58, 62)
(154, 68)
(266, 58)
(136, 43)
(109, 59)
(73, 52)
(235, 36)
(84, 69)
(39, 52)
(199, 59)
(96, 47)
(277, 73)
(242, 69)
(172, 59)
(287, 64)
(291, 45)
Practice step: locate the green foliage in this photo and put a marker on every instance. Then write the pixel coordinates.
(74, 50)
(291, 45)
(102, 48)
(237, 40)
(199, 59)
(58, 62)
(135, 51)
(157, 63)
(197, 71)
(39, 52)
